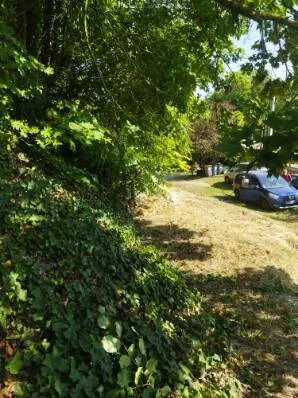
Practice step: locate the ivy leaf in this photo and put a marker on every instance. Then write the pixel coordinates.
(148, 392)
(15, 364)
(151, 366)
(22, 294)
(103, 321)
(124, 361)
(110, 344)
(118, 329)
(123, 378)
(142, 346)
(138, 375)
(163, 392)
(130, 350)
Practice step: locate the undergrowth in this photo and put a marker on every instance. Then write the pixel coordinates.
(86, 309)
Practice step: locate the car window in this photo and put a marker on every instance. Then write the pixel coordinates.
(252, 182)
(238, 178)
(242, 167)
(295, 181)
(272, 181)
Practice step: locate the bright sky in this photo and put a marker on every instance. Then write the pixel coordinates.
(246, 42)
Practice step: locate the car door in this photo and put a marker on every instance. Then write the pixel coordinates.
(250, 190)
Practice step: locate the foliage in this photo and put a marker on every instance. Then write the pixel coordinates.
(93, 101)
(204, 136)
(86, 308)
(128, 160)
(247, 128)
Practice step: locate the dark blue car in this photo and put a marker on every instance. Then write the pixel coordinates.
(294, 181)
(269, 191)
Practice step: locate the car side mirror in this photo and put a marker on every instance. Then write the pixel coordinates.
(245, 183)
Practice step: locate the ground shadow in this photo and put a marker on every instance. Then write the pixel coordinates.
(288, 215)
(258, 310)
(175, 241)
(222, 185)
(183, 177)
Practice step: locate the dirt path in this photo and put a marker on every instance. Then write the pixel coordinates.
(243, 261)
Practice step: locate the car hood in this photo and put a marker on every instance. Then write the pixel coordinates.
(285, 191)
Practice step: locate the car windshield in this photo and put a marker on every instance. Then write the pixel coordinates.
(241, 167)
(272, 181)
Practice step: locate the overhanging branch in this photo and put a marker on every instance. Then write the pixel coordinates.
(257, 15)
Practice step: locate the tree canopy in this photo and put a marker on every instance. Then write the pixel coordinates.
(138, 63)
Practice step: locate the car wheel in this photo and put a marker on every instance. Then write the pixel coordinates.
(227, 180)
(237, 194)
(265, 205)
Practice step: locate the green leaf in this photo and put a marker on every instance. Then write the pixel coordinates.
(118, 329)
(142, 346)
(163, 392)
(59, 387)
(148, 393)
(19, 390)
(22, 294)
(124, 361)
(138, 375)
(111, 344)
(123, 379)
(151, 366)
(103, 321)
(130, 350)
(15, 364)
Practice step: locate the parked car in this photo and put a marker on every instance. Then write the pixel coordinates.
(230, 174)
(268, 191)
(294, 181)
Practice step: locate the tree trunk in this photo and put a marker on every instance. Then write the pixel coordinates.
(47, 32)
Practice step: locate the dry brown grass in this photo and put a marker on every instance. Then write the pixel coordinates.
(215, 234)
(244, 261)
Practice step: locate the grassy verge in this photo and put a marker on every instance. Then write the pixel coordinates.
(217, 188)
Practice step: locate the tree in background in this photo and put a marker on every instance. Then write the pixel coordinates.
(204, 137)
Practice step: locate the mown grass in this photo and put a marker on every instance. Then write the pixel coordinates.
(263, 313)
(257, 308)
(257, 305)
(217, 188)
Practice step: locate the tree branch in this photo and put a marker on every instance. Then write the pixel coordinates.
(257, 15)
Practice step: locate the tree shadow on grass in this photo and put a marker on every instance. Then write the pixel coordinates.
(176, 242)
(183, 177)
(259, 310)
(288, 215)
(222, 185)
